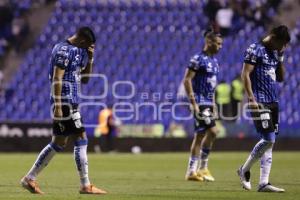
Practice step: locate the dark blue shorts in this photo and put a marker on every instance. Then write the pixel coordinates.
(71, 124)
(266, 119)
(205, 119)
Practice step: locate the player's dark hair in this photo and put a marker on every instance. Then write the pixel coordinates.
(282, 33)
(211, 34)
(87, 33)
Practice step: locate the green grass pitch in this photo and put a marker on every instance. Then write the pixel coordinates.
(148, 176)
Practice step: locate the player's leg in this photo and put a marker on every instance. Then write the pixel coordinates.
(266, 159)
(45, 156)
(259, 149)
(206, 146)
(191, 173)
(265, 168)
(80, 156)
(81, 160)
(79, 137)
(266, 129)
(257, 152)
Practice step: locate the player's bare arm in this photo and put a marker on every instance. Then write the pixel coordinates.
(88, 69)
(57, 88)
(187, 81)
(247, 69)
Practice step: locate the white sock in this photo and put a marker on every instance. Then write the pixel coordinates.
(80, 156)
(204, 153)
(257, 152)
(42, 160)
(265, 167)
(193, 164)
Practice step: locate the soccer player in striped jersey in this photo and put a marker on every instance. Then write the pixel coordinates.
(200, 82)
(263, 68)
(69, 61)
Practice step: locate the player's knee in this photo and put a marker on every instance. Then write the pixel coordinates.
(261, 147)
(57, 147)
(198, 137)
(269, 137)
(213, 133)
(60, 143)
(267, 144)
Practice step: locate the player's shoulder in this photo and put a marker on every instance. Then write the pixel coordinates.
(255, 48)
(63, 46)
(63, 49)
(197, 58)
(252, 47)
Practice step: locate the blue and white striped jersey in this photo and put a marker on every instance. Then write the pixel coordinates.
(72, 59)
(205, 80)
(263, 77)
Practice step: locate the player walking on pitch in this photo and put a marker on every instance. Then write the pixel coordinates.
(200, 81)
(263, 68)
(69, 60)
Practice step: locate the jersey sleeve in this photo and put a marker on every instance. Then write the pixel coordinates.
(251, 55)
(196, 63)
(62, 57)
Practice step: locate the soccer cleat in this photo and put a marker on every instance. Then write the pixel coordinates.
(31, 185)
(192, 176)
(245, 178)
(269, 188)
(91, 189)
(205, 173)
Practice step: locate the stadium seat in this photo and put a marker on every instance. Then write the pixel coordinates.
(147, 42)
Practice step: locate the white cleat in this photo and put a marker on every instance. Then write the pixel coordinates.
(269, 188)
(245, 178)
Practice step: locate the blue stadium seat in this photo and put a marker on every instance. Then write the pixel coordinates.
(147, 42)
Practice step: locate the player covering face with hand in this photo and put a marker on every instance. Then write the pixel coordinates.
(263, 68)
(200, 81)
(69, 61)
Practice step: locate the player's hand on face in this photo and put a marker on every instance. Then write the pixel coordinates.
(281, 52)
(90, 51)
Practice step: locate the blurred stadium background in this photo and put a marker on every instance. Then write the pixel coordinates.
(144, 42)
